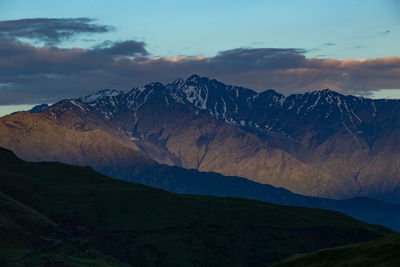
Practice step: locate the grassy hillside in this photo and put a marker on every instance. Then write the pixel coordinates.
(381, 252)
(57, 214)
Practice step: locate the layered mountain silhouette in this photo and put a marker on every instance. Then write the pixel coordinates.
(127, 136)
(55, 214)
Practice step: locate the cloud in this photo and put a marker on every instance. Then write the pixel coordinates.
(258, 58)
(51, 31)
(122, 48)
(36, 74)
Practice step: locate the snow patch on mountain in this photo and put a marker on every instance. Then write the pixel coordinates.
(102, 94)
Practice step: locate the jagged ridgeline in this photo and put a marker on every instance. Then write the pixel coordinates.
(56, 214)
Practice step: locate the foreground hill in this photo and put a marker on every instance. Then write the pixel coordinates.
(382, 252)
(57, 214)
(61, 135)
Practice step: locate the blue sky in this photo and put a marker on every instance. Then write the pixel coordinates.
(289, 45)
(358, 29)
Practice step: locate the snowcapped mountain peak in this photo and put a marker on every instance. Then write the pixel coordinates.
(194, 90)
(198, 80)
(237, 105)
(193, 78)
(325, 92)
(177, 82)
(105, 93)
(156, 84)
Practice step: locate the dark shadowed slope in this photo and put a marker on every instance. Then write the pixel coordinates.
(60, 214)
(381, 253)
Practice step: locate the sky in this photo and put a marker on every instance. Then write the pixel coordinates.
(50, 50)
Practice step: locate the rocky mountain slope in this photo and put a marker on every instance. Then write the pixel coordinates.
(60, 134)
(55, 214)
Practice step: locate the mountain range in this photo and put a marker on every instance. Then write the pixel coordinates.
(320, 144)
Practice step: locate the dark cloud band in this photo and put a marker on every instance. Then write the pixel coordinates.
(123, 48)
(50, 31)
